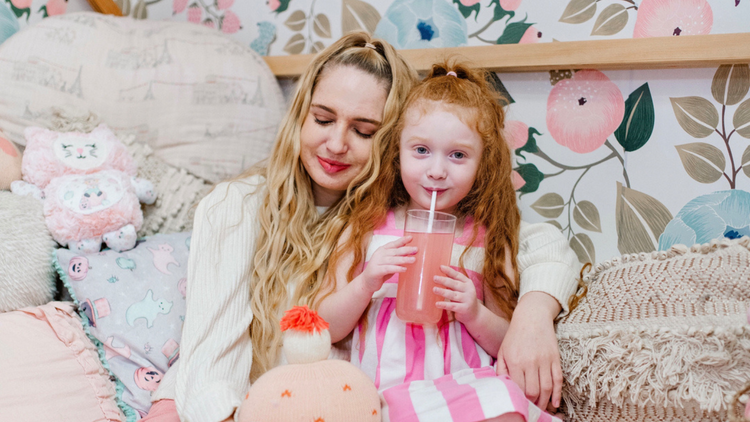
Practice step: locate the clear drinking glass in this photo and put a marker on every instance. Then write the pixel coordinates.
(415, 300)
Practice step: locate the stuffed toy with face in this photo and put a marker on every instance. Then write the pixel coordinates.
(89, 188)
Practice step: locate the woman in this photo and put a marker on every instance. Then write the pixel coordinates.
(260, 243)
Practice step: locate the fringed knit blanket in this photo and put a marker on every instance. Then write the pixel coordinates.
(660, 336)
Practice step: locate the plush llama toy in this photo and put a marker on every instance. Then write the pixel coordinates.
(310, 387)
(89, 188)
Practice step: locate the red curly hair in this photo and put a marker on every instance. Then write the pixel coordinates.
(491, 201)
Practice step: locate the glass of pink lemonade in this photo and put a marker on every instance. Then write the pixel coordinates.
(415, 300)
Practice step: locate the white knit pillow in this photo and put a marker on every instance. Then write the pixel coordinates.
(200, 99)
(660, 336)
(27, 276)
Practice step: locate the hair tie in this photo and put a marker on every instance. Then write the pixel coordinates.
(451, 73)
(368, 45)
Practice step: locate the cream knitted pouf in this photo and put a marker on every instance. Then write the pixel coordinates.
(660, 336)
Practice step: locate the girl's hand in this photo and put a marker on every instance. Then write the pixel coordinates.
(387, 260)
(460, 295)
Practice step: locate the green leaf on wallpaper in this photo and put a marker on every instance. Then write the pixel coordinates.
(124, 6)
(497, 84)
(703, 162)
(554, 223)
(578, 11)
(550, 205)
(296, 44)
(556, 76)
(283, 5)
(584, 248)
(296, 21)
(697, 116)
(530, 145)
(638, 122)
(358, 15)
(746, 161)
(317, 47)
(633, 209)
(587, 216)
(741, 119)
(20, 12)
(140, 11)
(514, 32)
(466, 11)
(322, 26)
(8, 24)
(531, 175)
(500, 12)
(731, 83)
(611, 21)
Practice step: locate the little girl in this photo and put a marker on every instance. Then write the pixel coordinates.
(448, 140)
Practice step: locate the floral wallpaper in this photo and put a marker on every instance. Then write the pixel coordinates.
(621, 161)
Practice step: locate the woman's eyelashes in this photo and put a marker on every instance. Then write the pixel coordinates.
(365, 134)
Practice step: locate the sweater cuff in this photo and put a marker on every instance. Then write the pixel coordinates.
(537, 279)
(213, 403)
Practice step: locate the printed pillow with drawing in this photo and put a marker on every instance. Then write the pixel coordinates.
(134, 306)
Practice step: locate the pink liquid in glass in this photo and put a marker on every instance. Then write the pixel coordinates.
(415, 299)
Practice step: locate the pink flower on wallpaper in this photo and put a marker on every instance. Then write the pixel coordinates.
(584, 110)
(21, 4)
(468, 3)
(664, 18)
(517, 180)
(224, 4)
(531, 36)
(195, 13)
(178, 6)
(273, 4)
(516, 133)
(510, 4)
(230, 23)
(56, 7)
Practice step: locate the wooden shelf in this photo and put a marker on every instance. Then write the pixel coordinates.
(641, 53)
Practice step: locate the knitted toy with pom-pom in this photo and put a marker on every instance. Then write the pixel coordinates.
(310, 387)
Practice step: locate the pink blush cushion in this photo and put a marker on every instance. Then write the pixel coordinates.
(50, 371)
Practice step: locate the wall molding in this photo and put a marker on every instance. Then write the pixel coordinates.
(630, 53)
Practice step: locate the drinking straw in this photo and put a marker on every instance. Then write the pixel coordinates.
(432, 211)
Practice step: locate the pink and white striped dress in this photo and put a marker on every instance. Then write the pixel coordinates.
(438, 372)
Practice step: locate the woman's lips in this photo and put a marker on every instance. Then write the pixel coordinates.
(331, 166)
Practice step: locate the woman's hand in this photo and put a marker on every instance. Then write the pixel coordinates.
(386, 261)
(460, 295)
(529, 353)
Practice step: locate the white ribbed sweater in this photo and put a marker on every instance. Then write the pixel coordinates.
(211, 377)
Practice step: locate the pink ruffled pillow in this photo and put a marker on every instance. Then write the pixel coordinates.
(51, 154)
(51, 370)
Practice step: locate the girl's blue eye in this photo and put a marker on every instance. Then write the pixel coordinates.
(421, 150)
(459, 155)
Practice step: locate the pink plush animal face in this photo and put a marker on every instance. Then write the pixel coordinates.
(148, 378)
(78, 268)
(80, 153)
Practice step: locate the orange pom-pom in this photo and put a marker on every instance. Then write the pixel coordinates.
(302, 318)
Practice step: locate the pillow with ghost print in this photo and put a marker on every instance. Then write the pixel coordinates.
(133, 305)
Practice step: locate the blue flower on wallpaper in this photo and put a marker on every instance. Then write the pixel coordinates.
(8, 23)
(422, 23)
(725, 213)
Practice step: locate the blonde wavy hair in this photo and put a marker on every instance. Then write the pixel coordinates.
(294, 241)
